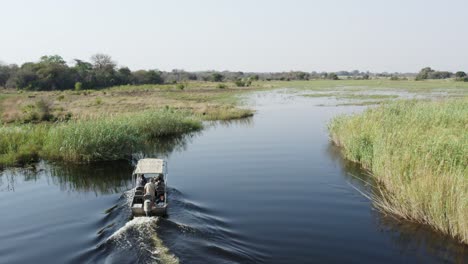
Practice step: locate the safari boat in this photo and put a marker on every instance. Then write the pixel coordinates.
(149, 169)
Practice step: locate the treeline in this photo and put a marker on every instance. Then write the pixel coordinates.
(53, 73)
(428, 73)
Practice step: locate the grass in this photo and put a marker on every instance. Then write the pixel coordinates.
(196, 97)
(94, 139)
(20, 145)
(374, 84)
(417, 151)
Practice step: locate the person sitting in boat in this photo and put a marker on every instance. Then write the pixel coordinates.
(150, 189)
(160, 200)
(141, 181)
(160, 178)
(160, 188)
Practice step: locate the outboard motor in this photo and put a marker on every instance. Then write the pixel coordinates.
(147, 204)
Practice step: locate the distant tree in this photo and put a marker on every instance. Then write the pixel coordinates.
(301, 76)
(217, 77)
(332, 76)
(53, 73)
(24, 78)
(147, 77)
(102, 61)
(6, 71)
(124, 76)
(104, 70)
(460, 74)
(440, 75)
(84, 73)
(424, 73)
(154, 77)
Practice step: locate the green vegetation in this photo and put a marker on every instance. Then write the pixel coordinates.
(428, 73)
(417, 151)
(104, 138)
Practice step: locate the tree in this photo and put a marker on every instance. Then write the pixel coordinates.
(147, 77)
(53, 73)
(6, 71)
(24, 78)
(332, 76)
(217, 77)
(124, 76)
(104, 70)
(460, 74)
(84, 73)
(102, 61)
(424, 73)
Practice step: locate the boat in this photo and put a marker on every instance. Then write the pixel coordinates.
(151, 169)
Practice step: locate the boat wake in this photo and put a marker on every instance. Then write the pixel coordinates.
(122, 240)
(138, 242)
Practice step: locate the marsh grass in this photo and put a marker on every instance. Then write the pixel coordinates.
(94, 139)
(417, 151)
(20, 145)
(224, 113)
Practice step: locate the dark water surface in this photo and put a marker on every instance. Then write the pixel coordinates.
(270, 189)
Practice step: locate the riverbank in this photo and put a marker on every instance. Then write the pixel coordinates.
(417, 150)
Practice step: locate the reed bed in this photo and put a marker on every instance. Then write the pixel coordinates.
(95, 139)
(418, 152)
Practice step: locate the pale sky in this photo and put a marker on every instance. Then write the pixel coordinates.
(241, 35)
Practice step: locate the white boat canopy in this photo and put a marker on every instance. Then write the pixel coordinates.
(149, 166)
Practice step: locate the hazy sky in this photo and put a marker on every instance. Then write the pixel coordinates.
(238, 35)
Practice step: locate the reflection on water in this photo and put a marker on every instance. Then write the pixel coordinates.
(247, 122)
(99, 177)
(162, 147)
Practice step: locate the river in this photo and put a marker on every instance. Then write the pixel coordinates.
(268, 189)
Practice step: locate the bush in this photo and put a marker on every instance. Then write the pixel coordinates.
(217, 77)
(40, 111)
(239, 83)
(221, 86)
(78, 86)
(180, 86)
(243, 82)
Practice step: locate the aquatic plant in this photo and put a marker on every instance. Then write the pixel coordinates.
(94, 139)
(113, 138)
(418, 152)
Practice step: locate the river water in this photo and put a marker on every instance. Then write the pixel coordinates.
(269, 189)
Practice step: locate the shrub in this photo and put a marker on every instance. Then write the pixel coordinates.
(78, 86)
(180, 86)
(239, 83)
(40, 111)
(221, 86)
